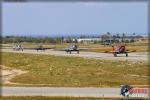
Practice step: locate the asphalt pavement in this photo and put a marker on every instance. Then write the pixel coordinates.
(142, 56)
(65, 91)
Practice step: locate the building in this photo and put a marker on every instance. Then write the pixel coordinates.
(88, 40)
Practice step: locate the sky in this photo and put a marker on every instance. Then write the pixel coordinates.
(74, 18)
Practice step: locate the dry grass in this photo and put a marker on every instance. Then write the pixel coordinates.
(74, 71)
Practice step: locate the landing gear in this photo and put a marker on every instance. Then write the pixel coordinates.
(126, 54)
(115, 54)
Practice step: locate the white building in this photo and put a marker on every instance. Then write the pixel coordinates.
(88, 40)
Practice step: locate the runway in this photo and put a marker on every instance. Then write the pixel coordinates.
(64, 91)
(142, 56)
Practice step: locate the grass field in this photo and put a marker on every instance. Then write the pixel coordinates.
(62, 98)
(74, 71)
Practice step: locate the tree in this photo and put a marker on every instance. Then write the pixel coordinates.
(118, 36)
(123, 37)
(105, 38)
(108, 33)
(133, 39)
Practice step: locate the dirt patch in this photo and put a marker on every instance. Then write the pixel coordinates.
(7, 74)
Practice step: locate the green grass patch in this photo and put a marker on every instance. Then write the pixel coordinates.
(75, 71)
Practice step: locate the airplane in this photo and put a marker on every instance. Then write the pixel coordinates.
(17, 47)
(120, 50)
(72, 48)
(39, 47)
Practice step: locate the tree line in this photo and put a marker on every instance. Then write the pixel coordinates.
(58, 40)
(19, 39)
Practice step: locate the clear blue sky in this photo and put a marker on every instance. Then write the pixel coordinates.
(57, 18)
